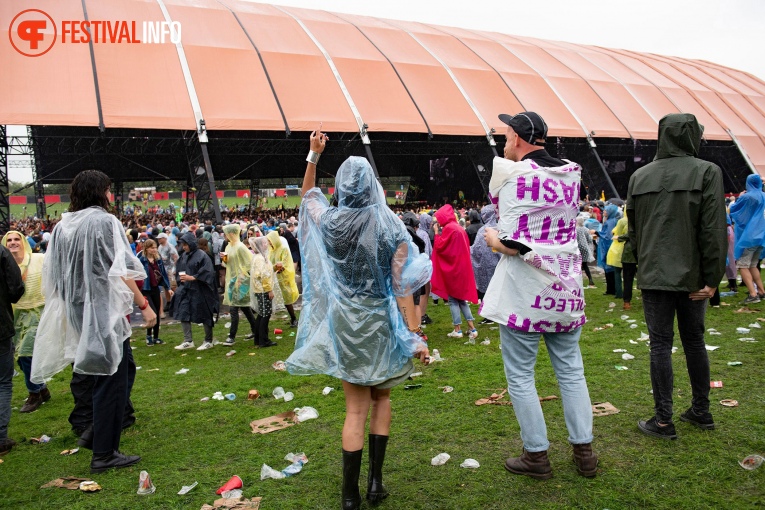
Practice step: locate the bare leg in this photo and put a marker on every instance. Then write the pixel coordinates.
(358, 399)
(746, 277)
(379, 422)
(424, 299)
(756, 279)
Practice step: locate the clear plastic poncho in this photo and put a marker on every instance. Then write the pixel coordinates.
(357, 258)
(263, 276)
(87, 301)
(238, 259)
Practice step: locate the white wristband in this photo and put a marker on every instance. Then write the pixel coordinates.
(313, 157)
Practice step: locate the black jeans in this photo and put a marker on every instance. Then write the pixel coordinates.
(586, 269)
(660, 307)
(247, 311)
(610, 283)
(261, 329)
(628, 272)
(82, 387)
(155, 302)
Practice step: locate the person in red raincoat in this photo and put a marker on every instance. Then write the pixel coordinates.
(452, 271)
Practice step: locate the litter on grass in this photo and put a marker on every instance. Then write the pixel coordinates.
(742, 330)
(470, 464)
(272, 423)
(239, 503)
(612, 305)
(67, 482)
(621, 367)
(712, 347)
(326, 391)
(734, 363)
(620, 350)
(233, 483)
(627, 357)
(227, 325)
(486, 341)
(39, 440)
(440, 459)
(218, 395)
(182, 371)
(748, 340)
(230, 396)
(446, 389)
(633, 326)
(279, 366)
(755, 325)
(435, 356)
(715, 384)
(145, 485)
(230, 353)
(89, 486)
(752, 462)
(185, 489)
(253, 395)
(633, 342)
(70, 452)
(715, 333)
(298, 460)
(289, 396)
(745, 310)
(729, 402)
(305, 413)
(471, 341)
(674, 349)
(603, 409)
(496, 399)
(624, 317)
(607, 326)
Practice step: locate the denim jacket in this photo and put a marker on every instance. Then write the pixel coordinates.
(147, 282)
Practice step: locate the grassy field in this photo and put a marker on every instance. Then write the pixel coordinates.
(183, 440)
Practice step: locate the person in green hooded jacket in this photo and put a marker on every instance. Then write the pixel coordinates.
(677, 229)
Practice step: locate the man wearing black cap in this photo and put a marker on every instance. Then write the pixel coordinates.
(537, 290)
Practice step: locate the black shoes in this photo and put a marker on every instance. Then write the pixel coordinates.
(351, 470)
(485, 321)
(114, 460)
(294, 323)
(426, 320)
(267, 344)
(653, 429)
(703, 421)
(376, 491)
(86, 438)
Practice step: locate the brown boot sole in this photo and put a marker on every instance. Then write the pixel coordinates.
(536, 476)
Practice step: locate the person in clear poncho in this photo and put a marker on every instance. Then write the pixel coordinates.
(284, 267)
(358, 323)
(237, 259)
(265, 294)
(26, 314)
(89, 285)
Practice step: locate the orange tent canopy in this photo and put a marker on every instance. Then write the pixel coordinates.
(261, 67)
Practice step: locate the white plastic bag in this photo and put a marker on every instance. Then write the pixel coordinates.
(267, 472)
(278, 392)
(470, 464)
(306, 413)
(440, 459)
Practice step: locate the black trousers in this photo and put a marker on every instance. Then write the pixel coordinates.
(83, 389)
(247, 311)
(586, 269)
(261, 329)
(155, 302)
(610, 283)
(628, 272)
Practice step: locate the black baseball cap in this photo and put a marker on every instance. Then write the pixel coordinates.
(530, 126)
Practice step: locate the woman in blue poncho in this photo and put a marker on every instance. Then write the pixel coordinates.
(748, 215)
(360, 269)
(605, 237)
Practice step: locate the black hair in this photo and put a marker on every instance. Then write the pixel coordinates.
(88, 189)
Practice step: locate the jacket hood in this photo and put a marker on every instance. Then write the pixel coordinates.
(474, 217)
(425, 221)
(488, 213)
(410, 220)
(445, 215)
(24, 243)
(190, 239)
(613, 211)
(753, 183)
(679, 135)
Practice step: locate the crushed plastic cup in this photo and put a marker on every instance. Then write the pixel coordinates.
(185, 489)
(621, 367)
(218, 395)
(227, 325)
(620, 350)
(627, 357)
(612, 305)
(631, 321)
(486, 341)
(267, 472)
(748, 340)
(715, 333)
(734, 363)
(306, 413)
(278, 392)
(253, 395)
(624, 317)
(40, 440)
(230, 353)
(471, 341)
(233, 483)
(729, 402)
(674, 349)
(289, 396)
(470, 464)
(633, 326)
(644, 337)
(435, 356)
(278, 331)
(204, 399)
(326, 391)
(232, 494)
(755, 325)
(440, 459)
(182, 371)
(712, 347)
(633, 342)
(752, 462)
(446, 389)
(742, 330)
(415, 374)
(230, 396)
(279, 366)
(145, 485)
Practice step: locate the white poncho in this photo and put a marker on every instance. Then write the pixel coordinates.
(86, 300)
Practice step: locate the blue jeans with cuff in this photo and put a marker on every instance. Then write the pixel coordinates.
(459, 305)
(519, 352)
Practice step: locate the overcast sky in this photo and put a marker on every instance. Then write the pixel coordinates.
(728, 32)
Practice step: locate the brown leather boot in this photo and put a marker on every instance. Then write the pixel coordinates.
(533, 464)
(34, 401)
(44, 395)
(586, 461)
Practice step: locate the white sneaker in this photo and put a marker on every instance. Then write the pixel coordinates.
(184, 346)
(455, 334)
(205, 346)
(229, 341)
(473, 334)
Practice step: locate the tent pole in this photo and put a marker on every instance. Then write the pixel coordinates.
(602, 166)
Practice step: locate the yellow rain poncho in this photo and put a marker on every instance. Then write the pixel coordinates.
(280, 252)
(238, 260)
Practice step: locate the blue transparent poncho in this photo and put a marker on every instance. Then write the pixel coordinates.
(357, 258)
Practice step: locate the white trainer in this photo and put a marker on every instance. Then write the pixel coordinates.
(184, 346)
(455, 334)
(229, 342)
(205, 346)
(473, 334)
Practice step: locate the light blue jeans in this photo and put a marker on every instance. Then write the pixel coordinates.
(457, 305)
(519, 352)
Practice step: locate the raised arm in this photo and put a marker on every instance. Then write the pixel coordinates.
(318, 142)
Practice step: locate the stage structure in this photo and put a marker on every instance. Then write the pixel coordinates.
(232, 99)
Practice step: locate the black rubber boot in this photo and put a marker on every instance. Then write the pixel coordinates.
(351, 470)
(376, 491)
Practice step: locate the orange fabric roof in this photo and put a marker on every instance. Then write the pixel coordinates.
(262, 67)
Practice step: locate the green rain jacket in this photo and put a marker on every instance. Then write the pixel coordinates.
(676, 210)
